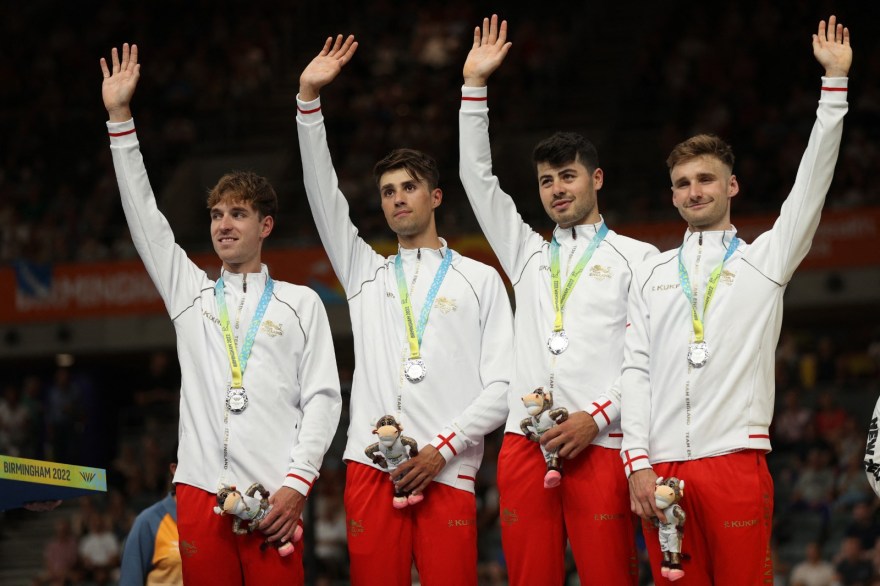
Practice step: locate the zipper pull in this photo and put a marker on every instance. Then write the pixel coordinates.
(701, 239)
(244, 283)
(574, 235)
(418, 254)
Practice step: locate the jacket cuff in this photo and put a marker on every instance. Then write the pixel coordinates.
(449, 443)
(300, 481)
(122, 133)
(474, 98)
(633, 460)
(309, 112)
(603, 411)
(834, 89)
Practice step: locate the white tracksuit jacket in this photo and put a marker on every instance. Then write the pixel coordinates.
(291, 377)
(467, 344)
(595, 314)
(672, 412)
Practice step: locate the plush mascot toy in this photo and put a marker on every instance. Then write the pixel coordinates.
(392, 449)
(542, 416)
(667, 494)
(252, 507)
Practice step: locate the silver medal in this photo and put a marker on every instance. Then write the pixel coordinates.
(557, 342)
(415, 370)
(236, 400)
(698, 354)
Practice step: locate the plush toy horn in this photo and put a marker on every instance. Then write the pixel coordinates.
(659, 481)
(681, 486)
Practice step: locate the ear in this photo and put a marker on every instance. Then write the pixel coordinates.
(375, 432)
(436, 198)
(732, 186)
(598, 178)
(266, 226)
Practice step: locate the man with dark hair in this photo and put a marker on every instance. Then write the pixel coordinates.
(260, 397)
(570, 323)
(698, 377)
(432, 338)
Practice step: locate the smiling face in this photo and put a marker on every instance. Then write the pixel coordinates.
(568, 192)
(237, 232)
(701, 191)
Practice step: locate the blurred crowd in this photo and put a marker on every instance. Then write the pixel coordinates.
(221, 78)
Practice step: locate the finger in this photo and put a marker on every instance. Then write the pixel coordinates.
(493, 29)
(126, 55)
(347, 44)
(502, 35)
(326, 48)
(838, 36)
(846, 36)
(114, 58)
(477, 37)
(349, 52)
(821, 32)
(281, 532)
(832, 28)
(574, 451)
(485, 31)
(337, 44)
(104, 68)
(134, 56)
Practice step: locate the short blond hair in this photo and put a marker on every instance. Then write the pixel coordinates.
(698, 146)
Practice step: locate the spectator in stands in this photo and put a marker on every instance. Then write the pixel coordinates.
(813, 571)
(829, 416)
(14, 422)
(790, 423)
(814, 487)
(851, 568)
(864, 525)
(60, 557)
(99, 551)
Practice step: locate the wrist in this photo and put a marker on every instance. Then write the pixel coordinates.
(307, 93)
(473, 81)
(836, 72)
(120, 114)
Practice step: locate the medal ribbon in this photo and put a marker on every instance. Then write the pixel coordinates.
(710, 287)
(238, 362)
(560, 295)
(415, 331)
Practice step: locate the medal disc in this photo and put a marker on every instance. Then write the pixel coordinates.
(236, 400)
(557, 342)
(698, 354)
(415, 370)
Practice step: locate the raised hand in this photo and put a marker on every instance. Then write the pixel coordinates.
(831, 48)
(120, 83)
(488, 52)
(326, 66)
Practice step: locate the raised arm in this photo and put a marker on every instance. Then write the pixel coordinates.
(832, 49)
(487, 53)
(778, 252)
(120, 83)
(353, 260)
(326, 66)
(512, 239)
(175, 276)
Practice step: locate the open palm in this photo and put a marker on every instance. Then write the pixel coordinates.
(120, 82)
(832, 49)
